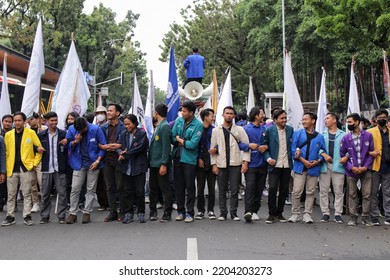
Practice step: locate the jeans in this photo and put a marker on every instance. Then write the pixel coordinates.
(231, 175)
(184, 175)
(255, 182)
(78, 180)
(60, 183)
(278, 179)
(132, 191)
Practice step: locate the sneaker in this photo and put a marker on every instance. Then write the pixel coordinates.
(288, 199)
(179, 217)
(61, 221)
(294, 218)
(189, 218)
(199, 216)
(159, 205)
(8, 221)
(35, 208)
(235, 217)
(81, 206)
(239, 196)
(28, 221)
(141, 218)
(325, 218)
(248, 217)
(86, 218)
(338, 219)
(366, 221)
(165, 218)
(112, 216)
(352, 221)
(71, 219)
(222, 217)
(211, 215)
(255, 217)
(147, 199)
(128, 218)
(281, 218)
(174, 206)
(102, 208)
(307, 218)
(387, 222)
(270, 220)
(153, 216)
(44, 221)
(375, 221)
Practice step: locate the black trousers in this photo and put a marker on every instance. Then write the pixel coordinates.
(278, 179)
(101, 191)
(203, 175)
(3, 194)
(184, 175)
(255, 182)
(199, 80)
(229, 177)
(159, 183)
(113, 179)
(132, 190)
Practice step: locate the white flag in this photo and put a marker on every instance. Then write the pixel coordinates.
(5, 105)
(35, 70)
(226, 99)
(251, 97)
(137, 108)
(149, 108)
(353, 102)
(71, 93)
(293, 102)
(322, 109)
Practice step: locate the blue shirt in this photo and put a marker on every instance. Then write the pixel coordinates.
(86, 160)
(255, 135)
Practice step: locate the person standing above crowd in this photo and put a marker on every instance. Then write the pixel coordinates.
(21, 161)
(256, 175)
(85, 158)
(226, 161)
(194, 65)
(186, 134)
(133, 158)
(357, 146)
(306, 146)
(54, 166)
(332, 170)
(380, 167)
(112, 129)
(278, 138)
(160, 165)
(204, 171)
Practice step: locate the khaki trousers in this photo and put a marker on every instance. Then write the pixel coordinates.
(299, 185)
(337, 180)
(365, 180)
(12, 187)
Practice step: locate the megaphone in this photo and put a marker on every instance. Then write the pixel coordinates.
(194, 90)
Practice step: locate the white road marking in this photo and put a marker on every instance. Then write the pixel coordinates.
(192, 249)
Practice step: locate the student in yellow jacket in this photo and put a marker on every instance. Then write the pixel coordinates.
(20, 162)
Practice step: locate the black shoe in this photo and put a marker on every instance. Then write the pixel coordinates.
(234, 217)
(281, 218)
(325, 218)
(153, 216)
(270, 220)
(28, 221)
(165, 218)
(44, 221)
(8, 221)
(112, 216)
(248, 217)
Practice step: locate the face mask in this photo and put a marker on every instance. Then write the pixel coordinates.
(351, 127)
(382, 122)
(101, 118)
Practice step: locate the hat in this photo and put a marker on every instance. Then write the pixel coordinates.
(101, 109)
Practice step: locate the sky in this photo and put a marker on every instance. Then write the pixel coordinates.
(153, 23)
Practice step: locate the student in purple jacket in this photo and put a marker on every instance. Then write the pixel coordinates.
(357, 145)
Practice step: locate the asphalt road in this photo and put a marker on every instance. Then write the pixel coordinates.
(214, 240)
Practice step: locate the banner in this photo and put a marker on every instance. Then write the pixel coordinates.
(5, 104)
(172, 99)
(322, 108)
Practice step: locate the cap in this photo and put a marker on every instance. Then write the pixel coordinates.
(101, 109)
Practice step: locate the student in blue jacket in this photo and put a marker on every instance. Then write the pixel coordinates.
(306, 146)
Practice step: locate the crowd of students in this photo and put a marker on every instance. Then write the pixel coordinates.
(111, 160)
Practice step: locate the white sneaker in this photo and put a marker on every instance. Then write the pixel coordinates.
(294, 218)
(255, 217)
(147, 199)
(35, 208)
(307, 218)
(174, 206)
(159, 205)
(239, 196)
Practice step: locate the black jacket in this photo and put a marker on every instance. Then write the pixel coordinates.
(62, 151)
(137, 154)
